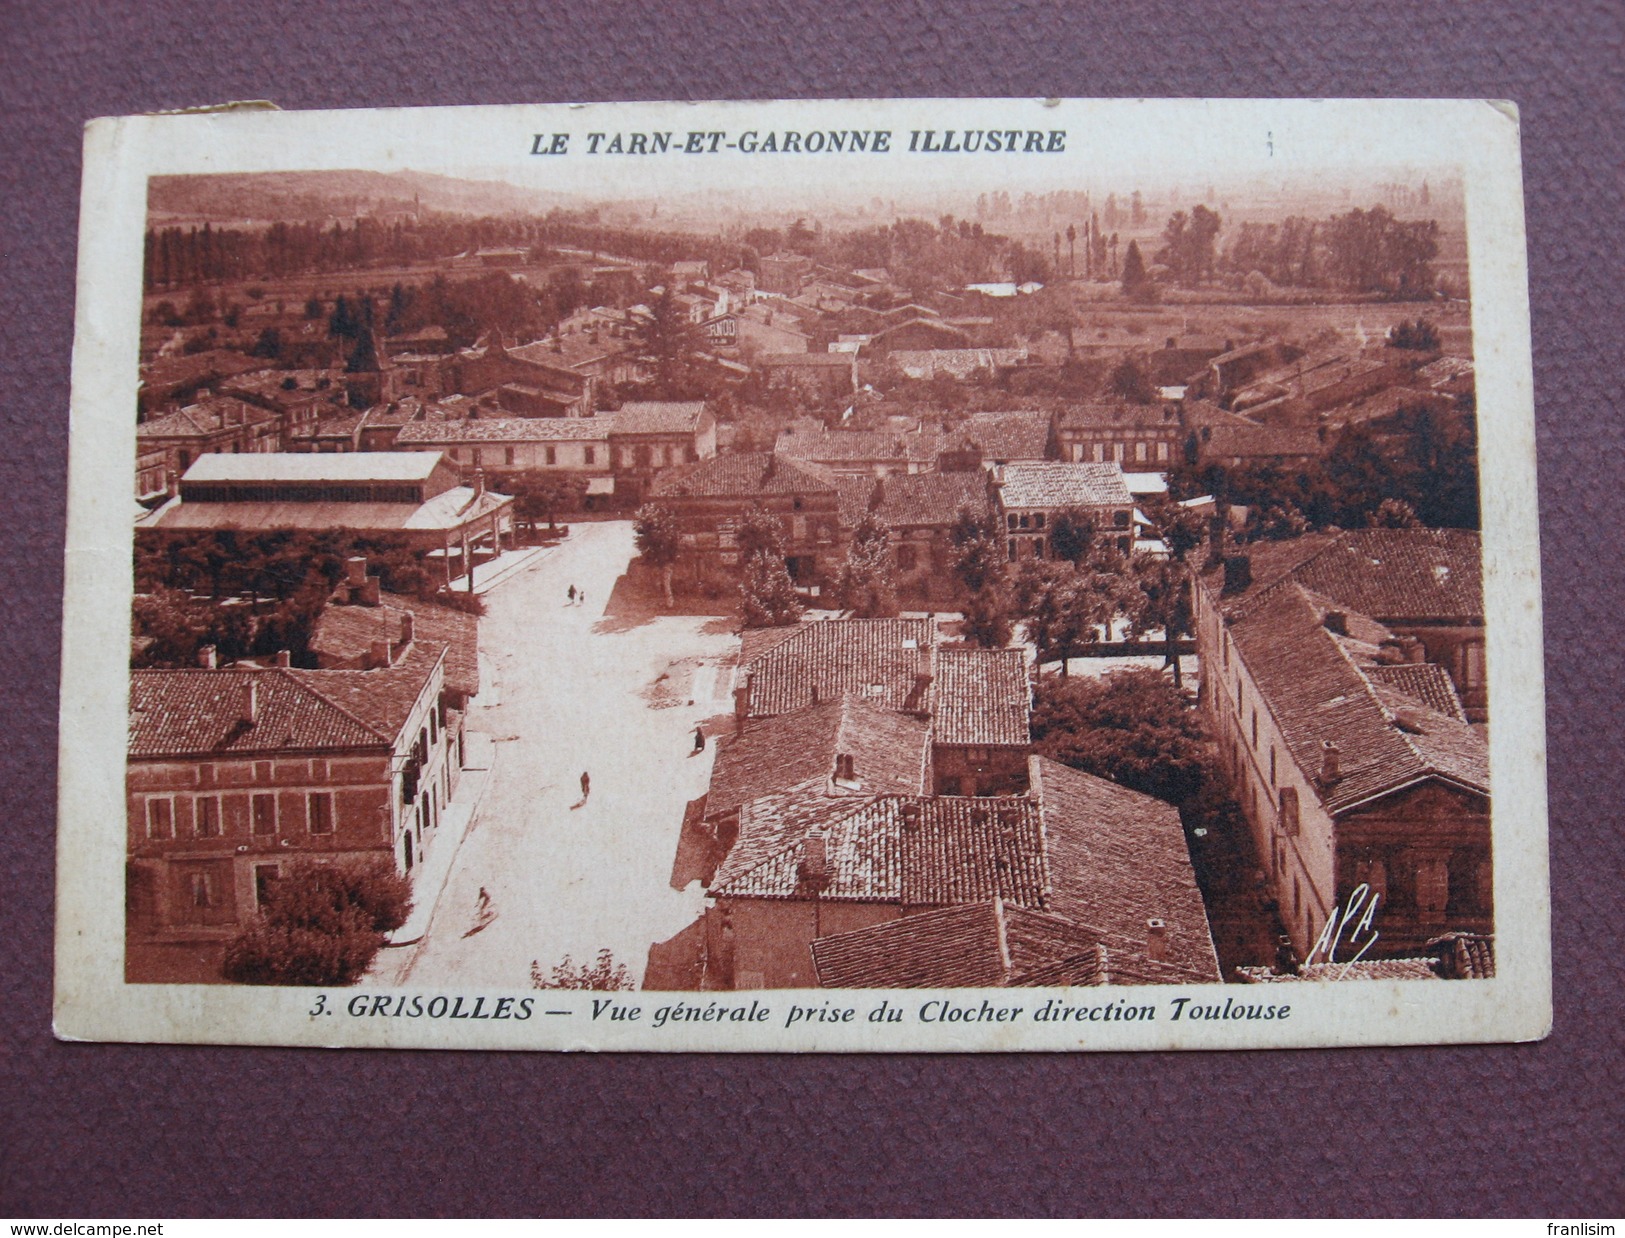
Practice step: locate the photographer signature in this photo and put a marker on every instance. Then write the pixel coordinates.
(1350, 927)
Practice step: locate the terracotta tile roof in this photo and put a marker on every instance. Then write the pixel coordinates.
(384, 698)
(1004, 436)
(1263, 442)
(1447, 374)
(860, 446)
(854, 497)
(978, 945)
(982, 697)
(1119, 415)
(206, 417)
(1426, 683)
(1365, 969)
(347, 632)
(1389, 574)
(890, 752)
(914, 500)
(961, 363)
(508, 430)
(747, 475)
(1054, 484)
(200, 713)
(659, 417)
(917, 852)
(1118, 859)
(1316, 693)
(880, 660)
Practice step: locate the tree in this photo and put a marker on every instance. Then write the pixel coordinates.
(1129, 382)
(1064, 605)
(603, 973)
(1393, 514)
(668, 341)
(322, 924)
(1137, 284)
(977, 551)
(989, 621)
(767, 594)
(659, 540)
(1132, 727)
(541, 494)
(1166, 586)
(865, 584)
(1418, 336)
(1072, 534)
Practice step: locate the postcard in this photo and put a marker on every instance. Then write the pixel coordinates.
(873, 575)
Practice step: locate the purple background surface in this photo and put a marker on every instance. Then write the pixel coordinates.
(97, 1130)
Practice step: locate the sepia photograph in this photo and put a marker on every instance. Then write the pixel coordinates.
(803, 573)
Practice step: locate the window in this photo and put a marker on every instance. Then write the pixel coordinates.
(1139, 451)
(590, 455)
(551, 454)
(1011, 521)
(1117, 452)
(206, 817)
(1474, 656)
(1255, 728)
(1099, 452)
(1120, 520)
(264, 814)
(1038, 548)
(508, 455)
(1289, 810)
(161, 818)
(1272, 765)
(1162, 453)
(1012, 548)
(1038, 521)
(321, 812)
(1026, 521)
(265, 879)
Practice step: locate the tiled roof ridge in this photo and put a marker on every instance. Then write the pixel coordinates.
(787, 845)
(1428, 764)
(1256, 598)
(322, 696)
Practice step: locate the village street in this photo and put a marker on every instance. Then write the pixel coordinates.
(567, 690)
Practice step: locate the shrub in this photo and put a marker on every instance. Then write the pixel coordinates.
(322, 924)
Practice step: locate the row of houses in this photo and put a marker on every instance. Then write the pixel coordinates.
(235, 773)
(878, 819)
(1344, 676)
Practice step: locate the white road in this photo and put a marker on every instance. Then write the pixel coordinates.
(575, 695)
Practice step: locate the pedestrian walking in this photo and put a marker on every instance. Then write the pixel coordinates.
(572, 595)
(581, 597)
(699, 741)
(586, 786)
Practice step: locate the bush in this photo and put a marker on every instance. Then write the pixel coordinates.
(322, 924)
(602, 973)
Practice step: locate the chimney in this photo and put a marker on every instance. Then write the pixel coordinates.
(368, 592)
(1415, 652)
(1337, 621)
(814, 869)
(408, 628)
(284, 658)
(206, 657)
(479, 483)
(845, 768)
(742, 701)
(1331, 763)
(1156, 940)
(377, 655)
(250, 702)
(911, 815)
(172, 482)
(355, 570)
(1238, 573)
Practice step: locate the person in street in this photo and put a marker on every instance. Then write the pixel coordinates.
(699, 741)
(581, 597)
(586, 786)
(572, 595)
(484, 902)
